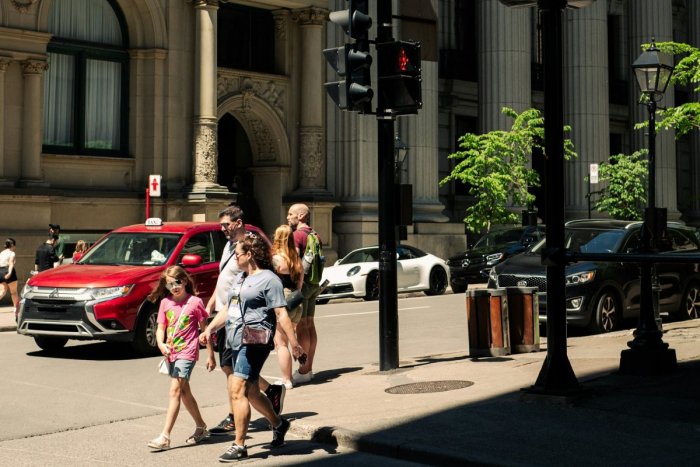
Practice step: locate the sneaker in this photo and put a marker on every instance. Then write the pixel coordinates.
(234, 453)
(276, 393)
(279, 432)
(225, 427)
(301, 378)
(161, 443)
(287, 383)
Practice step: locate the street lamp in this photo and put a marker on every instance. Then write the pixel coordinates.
(647, 351)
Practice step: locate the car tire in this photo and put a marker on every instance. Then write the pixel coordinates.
(372, 286)
(437, 281)
(458, 288)
(50, 344)
(144, 342)
(607, 313)
(690, 305)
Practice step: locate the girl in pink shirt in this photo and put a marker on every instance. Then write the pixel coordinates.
(181, 316)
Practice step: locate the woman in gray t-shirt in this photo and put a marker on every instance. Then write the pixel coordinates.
(258, 298)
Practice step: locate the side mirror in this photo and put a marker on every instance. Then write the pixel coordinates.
(191, 261)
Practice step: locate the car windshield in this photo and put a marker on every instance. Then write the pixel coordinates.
(588, 241)
(499, 237)
(146, 249)
(361, 256)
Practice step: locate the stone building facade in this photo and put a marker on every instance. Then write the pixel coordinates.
(225, 100)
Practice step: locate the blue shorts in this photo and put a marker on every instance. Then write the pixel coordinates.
(181, 368)
(247, 362)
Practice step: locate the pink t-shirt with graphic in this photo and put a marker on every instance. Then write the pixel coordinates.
(182, 334)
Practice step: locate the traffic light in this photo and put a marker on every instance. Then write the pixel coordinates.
(399, 77)
(352, 61)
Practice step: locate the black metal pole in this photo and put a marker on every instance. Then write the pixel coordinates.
(556, 376)
(388, 301)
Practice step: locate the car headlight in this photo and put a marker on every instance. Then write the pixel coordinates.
(493, 259)
(493, 276)
(107, 293)
(353, 270)
(580, 278)
(27, 289)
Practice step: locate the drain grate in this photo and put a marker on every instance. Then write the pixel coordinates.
(429, 386)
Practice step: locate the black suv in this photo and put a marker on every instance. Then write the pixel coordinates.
(473, 265)
(601, 295)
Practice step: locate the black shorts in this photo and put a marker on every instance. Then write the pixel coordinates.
(13, 276)
(225, 354)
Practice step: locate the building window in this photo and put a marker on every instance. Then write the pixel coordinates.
(458, 52)
(245, 38)
(85, 87)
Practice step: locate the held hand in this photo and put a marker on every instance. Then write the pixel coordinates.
(204, 337)
(164, 349)
(297, 351)
(211, 364)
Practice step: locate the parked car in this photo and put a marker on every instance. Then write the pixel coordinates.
(601, 295)
(473, 265)
(103, 295)
(357, 274)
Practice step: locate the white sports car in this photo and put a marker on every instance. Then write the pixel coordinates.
(357, 274)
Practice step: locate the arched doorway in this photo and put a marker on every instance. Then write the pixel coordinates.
(234, 163)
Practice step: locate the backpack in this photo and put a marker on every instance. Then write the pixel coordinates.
(313, 259)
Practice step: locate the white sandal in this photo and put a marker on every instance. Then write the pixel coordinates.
(161, 443)
(200, 433)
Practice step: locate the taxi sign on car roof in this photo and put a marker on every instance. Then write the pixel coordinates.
(154, 222)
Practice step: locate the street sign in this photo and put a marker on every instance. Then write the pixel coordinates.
(593, 174)
(154, 185)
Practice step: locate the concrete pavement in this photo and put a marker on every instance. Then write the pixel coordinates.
(482, 417)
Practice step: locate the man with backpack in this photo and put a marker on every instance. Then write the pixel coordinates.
(308, 244)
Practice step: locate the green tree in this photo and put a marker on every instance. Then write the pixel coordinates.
(683, 118)
(624, 195)
(495, 166)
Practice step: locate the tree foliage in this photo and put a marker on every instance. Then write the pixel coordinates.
(624, 195)
(683, 118)
(495, 166)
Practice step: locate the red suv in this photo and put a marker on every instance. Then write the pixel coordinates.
(103, 295)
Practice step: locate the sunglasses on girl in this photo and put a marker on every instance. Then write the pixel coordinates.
(174, 284)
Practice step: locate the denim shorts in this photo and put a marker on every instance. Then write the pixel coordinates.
(247, 362)
(181, 368)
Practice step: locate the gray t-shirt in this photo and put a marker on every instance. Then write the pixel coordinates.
(257, 295)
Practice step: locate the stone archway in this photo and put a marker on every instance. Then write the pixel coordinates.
(271, 156)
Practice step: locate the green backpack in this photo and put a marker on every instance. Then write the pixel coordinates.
(313, 259)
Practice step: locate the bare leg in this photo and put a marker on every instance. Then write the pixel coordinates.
(262, 404)
(173, 406)
(3, 290)
(283, 355)
(241, 407)
(190, 402)
(13, 294)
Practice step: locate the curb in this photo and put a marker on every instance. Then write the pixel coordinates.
(386, 447)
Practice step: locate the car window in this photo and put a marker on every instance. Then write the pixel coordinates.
(676, 241)
(132, 249)
(593, 241)
(201, 245)
(499, 237)
(360, 256)
(219, 243)
(403, 253)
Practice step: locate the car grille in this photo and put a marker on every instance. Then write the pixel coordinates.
(513, 280)
(465, 262)
(338, 289)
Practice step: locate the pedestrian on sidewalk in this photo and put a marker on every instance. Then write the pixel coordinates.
(234, 228)
(181, 317)
(80, 249)
(288, 267)
(298, 219)
(8, 272)
(45, 256)
(59, 244)
(258, 299)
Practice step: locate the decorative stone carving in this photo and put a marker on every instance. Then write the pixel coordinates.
(280, 18)
(23, 6)
(261, 141)
(4, 63)
(311, 161)
(205, 151)
(310, 16)
(268, 90)
(34, 67)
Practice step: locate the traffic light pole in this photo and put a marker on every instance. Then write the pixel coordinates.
(388, 301)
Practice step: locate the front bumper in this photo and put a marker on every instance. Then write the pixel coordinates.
(343, 290)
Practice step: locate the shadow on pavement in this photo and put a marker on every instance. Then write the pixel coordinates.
(94, 351)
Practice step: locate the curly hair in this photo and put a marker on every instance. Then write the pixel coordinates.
(160, 291)
(259, 250)
(283, 245)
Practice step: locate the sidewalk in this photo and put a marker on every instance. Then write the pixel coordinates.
(7, 319)
(617, 420)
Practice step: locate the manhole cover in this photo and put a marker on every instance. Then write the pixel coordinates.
(428, 386)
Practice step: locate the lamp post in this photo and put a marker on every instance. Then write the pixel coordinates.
(647, 352)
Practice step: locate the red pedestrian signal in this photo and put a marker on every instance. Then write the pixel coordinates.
(399, 77)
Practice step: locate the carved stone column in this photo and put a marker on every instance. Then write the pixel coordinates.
(4, 63)
(312, 157)
(283, 58)
(32, 71)
(649, 18)
(586, 106)
(204, 131)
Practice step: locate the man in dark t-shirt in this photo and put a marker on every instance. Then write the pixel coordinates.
(45, 255)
